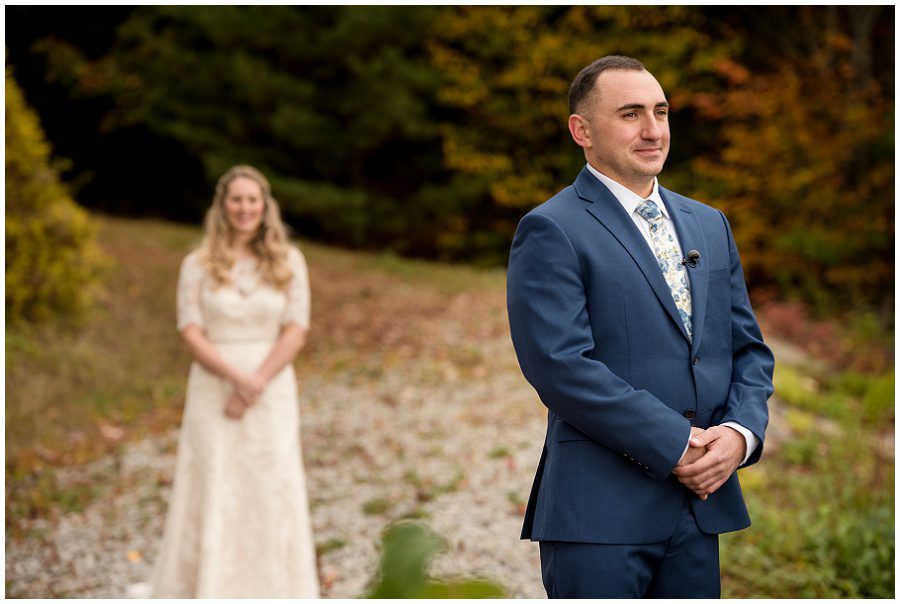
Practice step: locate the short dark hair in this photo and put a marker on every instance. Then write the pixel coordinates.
(583, 85)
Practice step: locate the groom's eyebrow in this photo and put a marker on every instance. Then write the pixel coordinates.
(642, 106)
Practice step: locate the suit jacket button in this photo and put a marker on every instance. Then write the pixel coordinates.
(689, 413)
(695, 360)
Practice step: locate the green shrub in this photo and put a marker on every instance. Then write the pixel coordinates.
(878, 402)
(800, 391)
(51, 258)
(838, 395)
(822, 506)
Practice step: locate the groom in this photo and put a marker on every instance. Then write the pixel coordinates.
(630, 317)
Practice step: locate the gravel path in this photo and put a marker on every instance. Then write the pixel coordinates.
(438, 441)
(403, 417)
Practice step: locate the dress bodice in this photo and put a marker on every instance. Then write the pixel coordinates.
(245, 309)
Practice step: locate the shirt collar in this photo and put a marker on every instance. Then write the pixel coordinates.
(628, 198)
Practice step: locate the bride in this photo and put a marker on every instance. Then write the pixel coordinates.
(238, 523)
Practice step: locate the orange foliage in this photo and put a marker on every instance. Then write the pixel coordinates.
(805, 175)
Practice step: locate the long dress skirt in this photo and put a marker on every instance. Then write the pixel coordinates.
(238, 524)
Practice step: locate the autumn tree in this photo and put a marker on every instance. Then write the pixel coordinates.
(508, 70)
(51, 258)
(789, 129)
(332, 103)
(431, 130)
(804, 163)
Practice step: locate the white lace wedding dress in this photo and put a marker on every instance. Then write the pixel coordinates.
(238, 524)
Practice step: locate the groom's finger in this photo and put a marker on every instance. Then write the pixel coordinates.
(710, 479)
(714, 461)
(695, 440)
(705, 480)
(698, 467)
(705, 437)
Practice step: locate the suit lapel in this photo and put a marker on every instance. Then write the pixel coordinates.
(690, 236)
(606, 208)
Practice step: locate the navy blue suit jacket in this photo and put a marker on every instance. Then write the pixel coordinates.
(598, 335)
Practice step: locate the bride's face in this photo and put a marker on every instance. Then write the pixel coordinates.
(244, 206)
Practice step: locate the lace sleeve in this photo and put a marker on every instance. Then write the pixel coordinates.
(190, 282)
(297, 309)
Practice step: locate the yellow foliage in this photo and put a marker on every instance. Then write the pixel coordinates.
(507, 72)
(51, 258)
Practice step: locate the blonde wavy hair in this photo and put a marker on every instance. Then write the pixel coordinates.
(270, 244)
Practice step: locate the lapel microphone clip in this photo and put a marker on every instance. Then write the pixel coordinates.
(693, 258)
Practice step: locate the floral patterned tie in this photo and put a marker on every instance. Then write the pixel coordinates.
(669, 261)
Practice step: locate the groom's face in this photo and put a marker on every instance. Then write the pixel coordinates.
(627, 122)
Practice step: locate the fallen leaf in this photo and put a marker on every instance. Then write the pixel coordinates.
(110, 432)
(48, 455)
(329, 576)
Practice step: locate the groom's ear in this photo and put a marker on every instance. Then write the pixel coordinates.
(581, 134)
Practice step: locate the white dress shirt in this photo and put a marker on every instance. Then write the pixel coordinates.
(630, 201)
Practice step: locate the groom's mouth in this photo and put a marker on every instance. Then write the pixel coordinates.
(648, 151)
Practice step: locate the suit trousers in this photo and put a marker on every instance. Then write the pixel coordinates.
(684, 566)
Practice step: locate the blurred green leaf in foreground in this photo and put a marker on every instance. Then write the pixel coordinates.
(406, 552)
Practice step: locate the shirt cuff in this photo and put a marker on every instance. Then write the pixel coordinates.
(750, 437)
(686, 447)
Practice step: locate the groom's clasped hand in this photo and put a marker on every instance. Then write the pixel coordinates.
(713, 455)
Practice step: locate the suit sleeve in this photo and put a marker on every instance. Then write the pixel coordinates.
(752, 361)
(552, 336)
